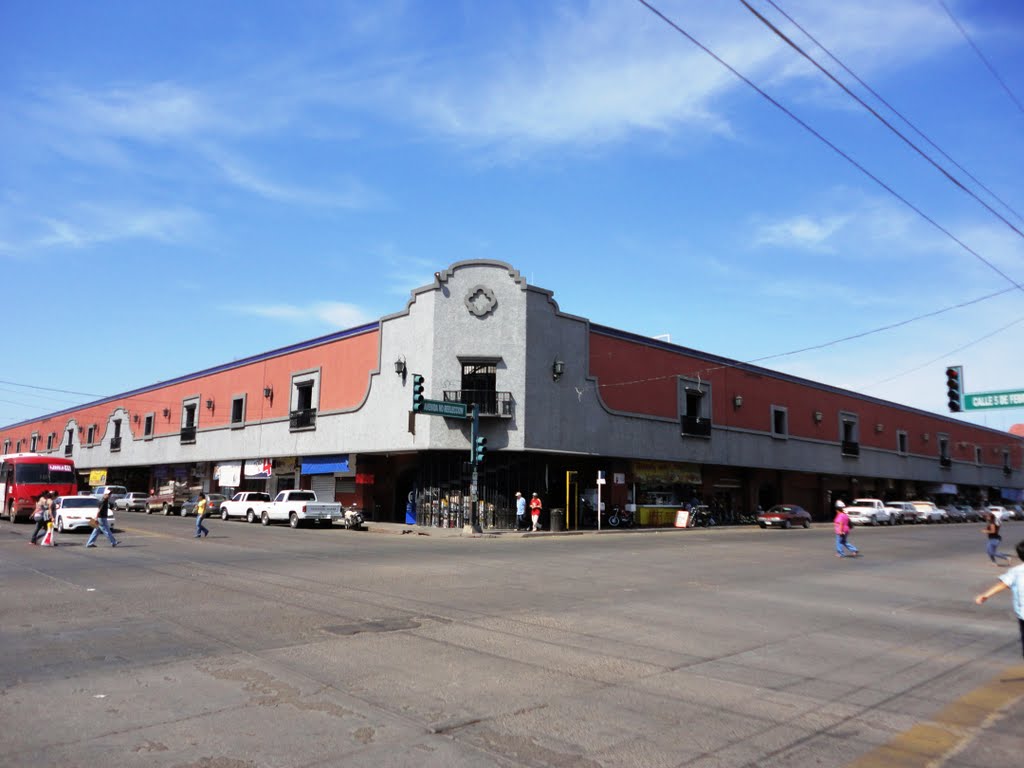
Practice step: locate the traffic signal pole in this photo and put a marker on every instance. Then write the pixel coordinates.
(473, 525)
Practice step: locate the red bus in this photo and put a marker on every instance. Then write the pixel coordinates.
(24, 477)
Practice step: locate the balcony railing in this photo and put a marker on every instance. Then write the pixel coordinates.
(302, 419)
(695, 426)
(945, 462)
(115, 443)
(851, 448)
(488, 401)
(188, 434)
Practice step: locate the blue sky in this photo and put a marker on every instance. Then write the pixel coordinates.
(183, 184)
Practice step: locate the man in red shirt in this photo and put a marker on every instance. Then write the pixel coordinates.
(535, 506)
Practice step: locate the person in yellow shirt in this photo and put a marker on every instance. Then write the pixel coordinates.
(201, 529)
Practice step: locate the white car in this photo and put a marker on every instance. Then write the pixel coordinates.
(133, 502)
(902, 511)
(71, 512)
(869, 512)
(245, 504)
(1001, 513)
(927, 512)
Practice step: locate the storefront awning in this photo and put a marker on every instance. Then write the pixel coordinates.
(324, 465)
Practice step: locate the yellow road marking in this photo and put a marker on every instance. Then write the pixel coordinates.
(932, 743)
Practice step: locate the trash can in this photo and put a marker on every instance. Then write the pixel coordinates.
(557, 519)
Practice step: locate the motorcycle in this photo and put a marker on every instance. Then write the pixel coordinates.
(352, 518)
(702, 517)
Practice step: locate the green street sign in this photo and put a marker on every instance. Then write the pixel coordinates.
(445, 408)
(980, 401)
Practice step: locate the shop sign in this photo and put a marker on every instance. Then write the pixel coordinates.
(97, 477)
(666, 473)
(364, 478)
(619, 478)
(228, 473)
(259, 468)
(285, 466)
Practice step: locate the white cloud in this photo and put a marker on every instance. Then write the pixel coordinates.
(801, 232)
(91, 224)
(331, 313)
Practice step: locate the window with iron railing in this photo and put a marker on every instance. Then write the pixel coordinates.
(945, 462)
(115, 443)
(695, 426)
(850, 448)
(487, 401)
(188, 434)
(304, 418)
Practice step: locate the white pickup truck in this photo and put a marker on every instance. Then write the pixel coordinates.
(247, 504)
(298, 507)
(869, 512)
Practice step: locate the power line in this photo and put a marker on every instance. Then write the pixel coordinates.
(928, 159)
(948, 354)
(830, 145)
(895, 111)
(981, 56)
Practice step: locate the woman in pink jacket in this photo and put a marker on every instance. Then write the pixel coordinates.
(841, 525)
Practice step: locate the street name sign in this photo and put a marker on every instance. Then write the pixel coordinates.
(445, 408)
(979, 401)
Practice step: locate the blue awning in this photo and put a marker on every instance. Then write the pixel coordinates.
(324, 465)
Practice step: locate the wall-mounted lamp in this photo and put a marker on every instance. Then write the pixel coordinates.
(400, 367)
(879, 427)
(209, 404)
(167, 413)
(737, 401)
(557, 369)
(818, 416)
(268, 392)
(926, 437)
(135, 418)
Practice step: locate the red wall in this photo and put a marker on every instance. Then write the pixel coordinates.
(639, 378)
(345, 366)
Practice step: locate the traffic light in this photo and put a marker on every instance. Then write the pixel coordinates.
(479, 449)
(955, 387)
(417, 392)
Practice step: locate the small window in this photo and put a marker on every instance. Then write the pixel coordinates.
(901, 442)
(147, 426)
(189, 419)
(90, 435)
(1006, 461)
(305, 396)
(34, 443)
(945, 459)
(780, 421)
(977, 455)
(7, 446)
(17, 447)
(694, 398)
(49, 441)
(849, 434)
(238, 410)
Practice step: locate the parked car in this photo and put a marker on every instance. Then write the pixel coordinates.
(784, 516)
(132, 502)
(71, 512)
(246, 504)
(955, 514)
(116, 492)
(869, 512)
(927, 512)
(213, 502)
(903, 511)
(1001, 513)
(973, 515)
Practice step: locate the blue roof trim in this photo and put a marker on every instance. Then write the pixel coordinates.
(756, 369)
(315, 342)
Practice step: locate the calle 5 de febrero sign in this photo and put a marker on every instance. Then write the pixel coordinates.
(984, 400)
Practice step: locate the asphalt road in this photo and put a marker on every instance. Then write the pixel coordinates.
(724, 647)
